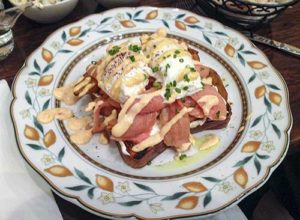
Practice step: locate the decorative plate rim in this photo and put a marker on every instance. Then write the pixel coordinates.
(269, 168)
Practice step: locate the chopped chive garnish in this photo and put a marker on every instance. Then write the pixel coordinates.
(167, 67)
(157, 85)
(218, 114)
(167, 93)
(174, 56)
(182, 156)
(183, 99)
(186, 78)
(185, 88)
(114, 50)
(132, 58)
(192, 69)
(134, 48)
(177, 52)
(155, 69)
(181, 60)
(178, 90)
(177, 111)
(174, 83)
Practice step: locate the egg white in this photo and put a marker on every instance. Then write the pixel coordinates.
(127, 91)
(170, 69)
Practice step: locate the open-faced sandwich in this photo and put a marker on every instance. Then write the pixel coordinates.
(151, 94)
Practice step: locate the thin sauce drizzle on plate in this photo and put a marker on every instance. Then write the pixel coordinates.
(202, 146)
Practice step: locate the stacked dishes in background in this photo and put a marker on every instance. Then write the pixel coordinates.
(247, 13)
(47, 11)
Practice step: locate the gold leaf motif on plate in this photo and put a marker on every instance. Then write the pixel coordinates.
(180, 25)
(229, 50)
(45, 80)
(241, 177)
(275, 98)
(188, 202)
(105, 183)
(59, 171)
(47, 55)
(152, 15)
(50, 138)
(127, 24)
(251, 146)
(195, 187)
(74, 42)
(257, 65)
(31, 133)
(260, 91)
(191, 20)
(74, 31)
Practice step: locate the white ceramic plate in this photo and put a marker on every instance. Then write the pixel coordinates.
(96, 178)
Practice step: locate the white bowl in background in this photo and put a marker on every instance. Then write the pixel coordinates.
(117, 3)
(50, 13)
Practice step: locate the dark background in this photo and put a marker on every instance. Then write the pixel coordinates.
(279, 198)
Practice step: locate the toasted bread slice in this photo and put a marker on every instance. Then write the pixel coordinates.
(141, 159)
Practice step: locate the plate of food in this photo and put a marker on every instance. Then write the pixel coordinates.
(151, 113)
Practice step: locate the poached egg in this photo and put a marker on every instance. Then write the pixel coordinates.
(172, 64)
(125, 71)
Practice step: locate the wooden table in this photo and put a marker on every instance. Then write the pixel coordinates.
(29, 35)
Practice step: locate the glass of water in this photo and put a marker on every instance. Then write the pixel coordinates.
(7, 20)
(6, 43)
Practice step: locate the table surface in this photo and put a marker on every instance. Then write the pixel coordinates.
(29, 35)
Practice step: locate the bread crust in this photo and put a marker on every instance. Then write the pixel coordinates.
(148, 155)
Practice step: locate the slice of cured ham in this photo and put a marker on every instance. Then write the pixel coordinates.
(140, 128)
(205, 98)
(202, 70)
(103, 108)
(178, 135)
(144, 121)
(155, 105)
(197, 112)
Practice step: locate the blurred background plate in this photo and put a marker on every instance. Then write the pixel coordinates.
(246, 14)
